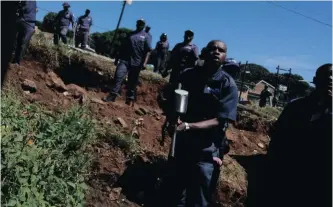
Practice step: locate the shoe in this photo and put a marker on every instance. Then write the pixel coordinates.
(110, 98)
(129, 102)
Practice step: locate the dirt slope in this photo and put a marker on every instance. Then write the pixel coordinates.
(117, 178)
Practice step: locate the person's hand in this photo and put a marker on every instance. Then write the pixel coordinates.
(217, 160)
(181, 127)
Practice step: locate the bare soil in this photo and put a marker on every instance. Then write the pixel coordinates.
(112, 168)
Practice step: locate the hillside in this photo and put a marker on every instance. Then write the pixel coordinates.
(124, 156)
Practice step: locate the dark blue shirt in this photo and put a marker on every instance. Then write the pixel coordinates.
(301, 136)
(28, 11)
(85, 22)
(210, 97)
(64, 18)
(184, 55)
(162, 47)
(135, 48)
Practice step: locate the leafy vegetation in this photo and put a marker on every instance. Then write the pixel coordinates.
(44, 155)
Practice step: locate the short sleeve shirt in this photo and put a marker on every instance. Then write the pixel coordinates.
(85, 22)
(135, 48)
(65, 18)
(185, 55)
(209, 97)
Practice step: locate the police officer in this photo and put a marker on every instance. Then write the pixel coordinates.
(83, 28)
(132, 58)
(232, 67)
(183, 55)
(25, 23)
(263, 96)
(300, 152)
(162, 48)
(201, 132)
(62, 22)
(147, 30)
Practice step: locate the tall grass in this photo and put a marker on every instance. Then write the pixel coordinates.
(43, 155)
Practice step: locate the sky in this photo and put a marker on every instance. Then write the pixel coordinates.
(258, 32)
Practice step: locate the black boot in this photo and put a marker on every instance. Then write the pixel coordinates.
(110, 98)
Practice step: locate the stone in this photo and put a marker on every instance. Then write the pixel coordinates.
(143, 110)
(29, 85)
(76, 90)
(97, 100)
(261, 145)
(65, 102)
(65, 93)
(135, 133)
(139, 112)
(115, 194)
(56, 81)
(26, 92)
(83, 99)
(122, 122)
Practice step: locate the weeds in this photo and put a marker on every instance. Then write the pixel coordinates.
(44, 156)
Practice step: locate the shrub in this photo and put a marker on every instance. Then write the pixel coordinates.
(44, 157)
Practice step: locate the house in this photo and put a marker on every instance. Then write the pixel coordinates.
(253, 95)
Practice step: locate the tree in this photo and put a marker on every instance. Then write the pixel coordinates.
(48, 22)
(101, 42)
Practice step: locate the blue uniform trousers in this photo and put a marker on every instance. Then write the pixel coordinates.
(25, 31)
(191, 183)
(61, 32)
(122, 69)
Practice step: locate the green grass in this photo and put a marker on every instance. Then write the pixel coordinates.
(44, 156)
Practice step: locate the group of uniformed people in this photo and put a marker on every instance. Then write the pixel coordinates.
(302, 136)
(26, 20)
(82, 27)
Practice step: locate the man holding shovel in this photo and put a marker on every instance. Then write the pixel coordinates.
(212, 103)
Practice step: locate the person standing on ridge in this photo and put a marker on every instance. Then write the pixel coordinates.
(83, 27)
(162, 49)
(25, 27)
(183, 55)
(147, 30)
(132, 58)
(62, 21)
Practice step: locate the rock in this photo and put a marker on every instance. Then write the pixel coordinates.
(83, 99)
(139, 122)
(108, 189)
(115, 194)
(57, 82)
(261, 145)
(65, 93)
(143, 110)
(97, 100)
(135, 133)
(139, 112)
(76, 90)
(106, 146)
(158, 117)
(29, 85)
(255, 152)
(26, 92)
(122, 122)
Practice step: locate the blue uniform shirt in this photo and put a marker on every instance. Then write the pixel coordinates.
(162, 47)
(135, 48)
(209, 98)
(184, 55)
(85, 22)
(64, 18)
(28, 11)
